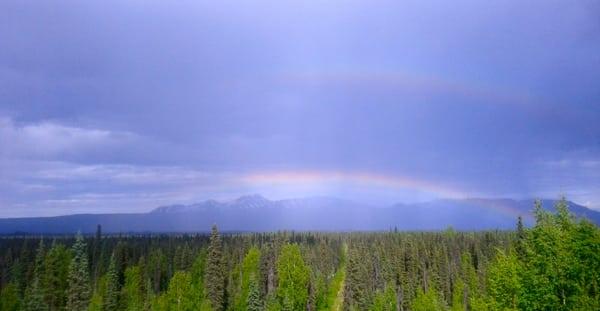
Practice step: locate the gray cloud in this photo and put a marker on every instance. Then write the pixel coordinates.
(179, 101)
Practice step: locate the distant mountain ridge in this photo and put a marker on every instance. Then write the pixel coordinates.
(256, 213)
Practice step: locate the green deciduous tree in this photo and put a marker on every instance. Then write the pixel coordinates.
(427, 301)
(132, 293)
(560, 269)
(293, 275)
(180, 295)
(249, 269)
(504, 282)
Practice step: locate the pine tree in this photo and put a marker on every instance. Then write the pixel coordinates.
(96, 253)
(520, 242)
(39, 259)
(214, 279)
(34, 295)
(183, 257)
(254, 302)
(17, 275)
(386, 300)
(149, 296)
(78, 293)
(458, 296)
(111, 297)
(9, 298)
(355, 292)
(55, 276)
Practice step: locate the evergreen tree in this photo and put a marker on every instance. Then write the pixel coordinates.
(97, 253)
(157, 269)
(149, 296)
(458, 296)
(78, 292)
(55, 276)
(521, 237)
(34, 295)
(183, 257)
(254, 303)
(17, 275)
(355, 292)
(111, 297)
(557, 269)
(214, 279)
(39, 260)
(386, 300)
(9, 298)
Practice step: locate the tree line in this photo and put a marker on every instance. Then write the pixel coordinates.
(554, 265)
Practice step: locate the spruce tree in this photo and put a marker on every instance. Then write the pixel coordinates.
(34, 295)
(111, 298)
(96, 253)
(78, 293)
(254, 302)
(355, 292)
(17, 275)
(214, 279)
(56, 271)
(9, 298)
(39, 260)
(520, 242)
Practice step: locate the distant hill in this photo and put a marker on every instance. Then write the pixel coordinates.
(256, 213)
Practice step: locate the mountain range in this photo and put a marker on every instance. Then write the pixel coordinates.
(256, 213)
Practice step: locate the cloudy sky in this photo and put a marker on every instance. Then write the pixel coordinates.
(123, 106)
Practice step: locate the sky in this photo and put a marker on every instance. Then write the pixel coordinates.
(122, 106)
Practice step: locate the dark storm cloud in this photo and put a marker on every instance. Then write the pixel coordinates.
(492, 98)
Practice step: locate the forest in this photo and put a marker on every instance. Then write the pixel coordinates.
(553, 265)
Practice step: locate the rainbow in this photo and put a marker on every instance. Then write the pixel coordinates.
(311, 177)
(359, 178)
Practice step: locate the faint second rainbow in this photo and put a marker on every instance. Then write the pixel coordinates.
(357, 178)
